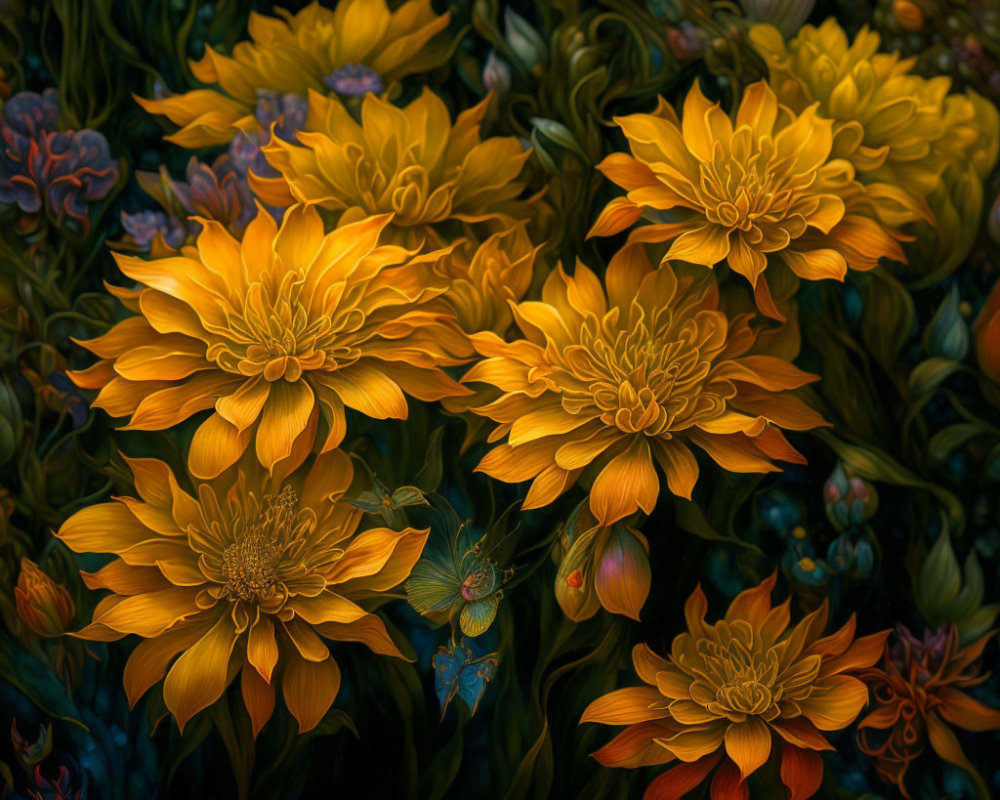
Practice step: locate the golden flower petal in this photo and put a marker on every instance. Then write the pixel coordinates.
(200, 676)
(626, 483)
(148, 663)
(262, 647)
(835, 702)
(693, 743)
(309, 689)
(748, 744)
(369, 630)
(635, 747)
(625, 707)
(258, 697)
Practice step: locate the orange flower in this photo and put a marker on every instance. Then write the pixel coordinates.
(411, 162)
(741, 193)
(358, 46)
(42, 604)
(244, 579)
(732, 691)
(608, 380)
(986, 333)
(275, 333)
(917, 696)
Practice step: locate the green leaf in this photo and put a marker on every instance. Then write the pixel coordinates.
(335, 720)
(888, 317)
(691, 518)
(560, 134)
(408, 496)
(36, 682)
(944, 442)
(429, 477)
(7, 442)
(940, 580)
(546, 160)
(930, 374)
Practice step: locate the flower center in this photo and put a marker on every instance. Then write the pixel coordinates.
(481, 583)
(250, 564)
(642, 383)
(275, 337)
(746, 695)
(354, 80)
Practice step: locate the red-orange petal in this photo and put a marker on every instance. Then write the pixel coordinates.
(678, 781)
(801, 771)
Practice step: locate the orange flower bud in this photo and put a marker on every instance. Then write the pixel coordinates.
(909, 15)
(44, 605)
(987, 336)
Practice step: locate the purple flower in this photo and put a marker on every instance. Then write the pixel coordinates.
(288, 111)
(144, 225)
(44, 168)
(354, 80)
(216, 191)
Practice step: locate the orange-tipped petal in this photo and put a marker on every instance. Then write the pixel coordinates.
(625, 707)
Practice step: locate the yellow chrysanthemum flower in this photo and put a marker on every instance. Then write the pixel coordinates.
(742, 192)
(608, 381)
(357, 47)
(248, 568)
(276, 334)
(737, 692)
(411, 162)
(483, 279)
(895, 127)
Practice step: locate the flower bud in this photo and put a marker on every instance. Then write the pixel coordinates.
(808, 572)
(574, 586)
(947, 336)
(496, 74)
(986, 332)
(686, 41)
(43, 605)
(850, 500)
(908, 15)
(623, 575)
(864, 559)
(523, 39)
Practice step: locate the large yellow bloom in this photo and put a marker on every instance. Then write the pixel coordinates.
(895, 127)
(310, 50)
(740, 193)
(732, 691)
(244, 577)
(610, 381)
(276, 334)
(410, 161)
